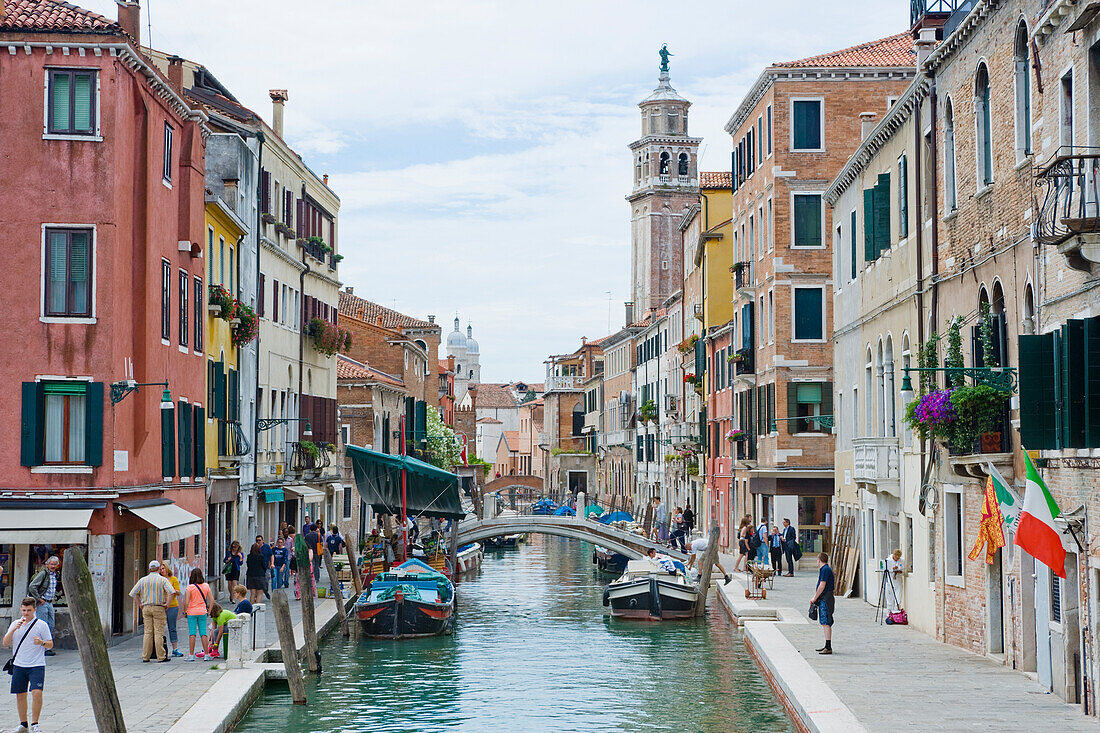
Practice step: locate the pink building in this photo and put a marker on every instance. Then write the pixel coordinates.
(719, 381)
(102, 164)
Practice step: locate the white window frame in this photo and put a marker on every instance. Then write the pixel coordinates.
(46, 134)
(85, 320)
(979, 131)
(790, 110)
(950, 161)
(166, 174)
(794, 315)
(958, 581)
(821, 214)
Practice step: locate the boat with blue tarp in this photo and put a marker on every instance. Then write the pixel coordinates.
(409, 600)
(609, 561)
(544, 507)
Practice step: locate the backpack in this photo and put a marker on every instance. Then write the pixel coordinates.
(754, 541)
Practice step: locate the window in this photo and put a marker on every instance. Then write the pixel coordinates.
(984, 122)
(807, 220)
(950, 193)
(683, 165)
(806, 124)
(903, 197)
(232, 270)
(807, 400)
(809, 314)
(1023, 94)
(760, 139)
(64, 420)
(210, 254)
(953, 536)
(664, 164)
(221, 261)
(72, 102)
(771, 316)
(165, 300)
(769, 114)
(167, 153)
(62, 423)
(853, 246)
(1065, 112)
(199, 314)
(185, 288)
(68, 272)
(1055, 598)
(876, 218)
(771, 224)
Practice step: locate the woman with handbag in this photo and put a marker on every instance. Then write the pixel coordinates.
(197, 605)
(231, 563)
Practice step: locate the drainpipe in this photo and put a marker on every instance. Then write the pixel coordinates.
(919, 241)
(259, 388)
(301, 332)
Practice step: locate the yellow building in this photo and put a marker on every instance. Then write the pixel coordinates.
(226, 441)
(715, 254)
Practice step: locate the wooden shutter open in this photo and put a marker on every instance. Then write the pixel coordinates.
(903, 197)
(882, 213)
(868, 225)
(827, 401)
(1073, 384)
(1092, 382)
(31, 425)
(168, 443)
(1037, 409)
(217, 409)
(198, 419)
(275, 300)
(184, 436)
(792, 407)
(261, 297)
(93, 423)
(265, 185)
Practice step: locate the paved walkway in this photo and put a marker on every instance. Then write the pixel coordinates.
(153, 695)
(895, 677)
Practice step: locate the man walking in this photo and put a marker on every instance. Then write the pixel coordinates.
(762, 547)
(689, 519)
(153, 593)
(268, 553)
(660, 514)
(789, 543)
(28, 662)
(824, 600)
(45, 588)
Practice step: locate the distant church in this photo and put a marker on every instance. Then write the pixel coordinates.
(467, 356)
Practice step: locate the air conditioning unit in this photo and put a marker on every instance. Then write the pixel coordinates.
(671, 402)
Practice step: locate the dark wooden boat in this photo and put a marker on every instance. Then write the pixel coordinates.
(609, 561)
(410, 600)
(649, 590)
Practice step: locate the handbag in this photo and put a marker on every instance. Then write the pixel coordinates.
(813, 611)
(228, 567)
(797, 551)
(9, 666)
(899, 618)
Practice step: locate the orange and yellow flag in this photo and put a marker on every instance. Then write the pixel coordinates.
(991, 529)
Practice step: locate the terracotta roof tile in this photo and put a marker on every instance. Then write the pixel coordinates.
(892, 51)
(492, 396)
(350, 369)
(488, 421)
(715, 179)
(53, 15)
(365, 310)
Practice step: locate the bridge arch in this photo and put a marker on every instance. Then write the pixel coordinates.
(629, 544)
(506, 482)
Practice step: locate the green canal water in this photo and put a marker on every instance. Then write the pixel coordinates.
(533, 650)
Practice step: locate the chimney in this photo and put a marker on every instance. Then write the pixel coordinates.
(175, 72)
(129, 17)
(278, 100)
(867, 120)
(325, 179)
(230, 186)
(349, 290)
(926, 41)
(629, 312)
(584, 340)
(431, 318)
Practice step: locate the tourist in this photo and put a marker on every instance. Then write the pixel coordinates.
(282, 529)
(742, 561)
(313, 542)
(698, 547)
(255, 572)
(825, 600)
(894, 570)
(775, 547)
(335, 541)
(790, 544)
(243, 604)
(679, 531)
(660, 515)
(221, 617)
(689, 519)
(269, 566)
(173, 611)
(293, 562)
(45, 589)
(197, 605)
(762, 544)
(153, 593)
(28, 671)
(280, 563)
(231, 563)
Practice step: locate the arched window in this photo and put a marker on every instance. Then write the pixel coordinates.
(984, 125)
(683, 170)
(949, 191)
(868, 395)
(1029, 326)
(1023, 93)
(664, 164)
(906, 362)
(890, 401)
(880, 392)
(1000, 325)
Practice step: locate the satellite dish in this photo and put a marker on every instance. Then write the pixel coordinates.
(929, 500)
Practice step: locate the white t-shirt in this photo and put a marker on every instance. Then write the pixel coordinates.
(30, 654)
(698, 545)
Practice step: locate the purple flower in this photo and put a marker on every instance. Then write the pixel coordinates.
(935, 409)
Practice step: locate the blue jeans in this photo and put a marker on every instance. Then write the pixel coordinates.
(762, 554)
(172, 615)
(45, 612)
(282, 577)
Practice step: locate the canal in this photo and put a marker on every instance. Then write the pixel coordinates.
(534, 651)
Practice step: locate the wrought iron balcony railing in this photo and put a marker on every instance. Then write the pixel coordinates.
(303, 458)
(232, 441)
(1071, 199)
(920, 8)
(745, 365)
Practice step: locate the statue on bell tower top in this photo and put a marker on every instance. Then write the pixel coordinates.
(664, 54)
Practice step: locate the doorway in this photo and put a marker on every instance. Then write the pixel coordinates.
(578, 481)
(120, 600)
(995, 580)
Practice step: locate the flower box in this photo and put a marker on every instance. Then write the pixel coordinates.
(267, 218)
(234, 321)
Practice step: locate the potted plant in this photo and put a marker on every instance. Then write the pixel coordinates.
(736, 434)
(267, 218)
(338, 258)
(221, 303)
(735, 358)
(648, 411)
(688, 345)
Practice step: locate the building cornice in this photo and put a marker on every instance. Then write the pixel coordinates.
(665, 139)
(325, 278)
(667, 191)
(279, 252)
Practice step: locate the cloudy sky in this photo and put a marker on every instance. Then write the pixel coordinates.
(480, 148)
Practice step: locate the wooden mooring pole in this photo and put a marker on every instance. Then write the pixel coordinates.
(353, 559)
(309, 619)
(452, 550)
(281, 608)
(709, 556)
(92, 643)
(334, 586)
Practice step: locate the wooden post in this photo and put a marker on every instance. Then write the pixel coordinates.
(452, 553)
(709, 556)
(334, 585)
(280, 607)
(309, 620)
(90, 640)
(648, 526)
(351, 542)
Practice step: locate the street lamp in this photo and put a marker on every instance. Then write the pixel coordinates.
(119, 391)
(266, 423)
(906, 392)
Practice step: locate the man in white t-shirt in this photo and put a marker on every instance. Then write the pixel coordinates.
(698, 547)
(29, 637)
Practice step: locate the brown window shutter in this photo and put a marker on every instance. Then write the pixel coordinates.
(265, 184)
(275, 300)
(260, 297)
(301, 219)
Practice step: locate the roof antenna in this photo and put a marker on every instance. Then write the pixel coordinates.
(149, 22)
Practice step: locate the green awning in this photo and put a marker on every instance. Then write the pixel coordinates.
(273, 495)
(429, 492)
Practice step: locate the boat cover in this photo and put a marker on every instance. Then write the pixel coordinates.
(615, 517)
(430, 491)
(565, 511)
(593, 509)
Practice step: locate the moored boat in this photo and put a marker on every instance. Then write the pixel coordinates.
(469, 557)
(609, 561)
(508, 541)
(652, 590)
(410, 600)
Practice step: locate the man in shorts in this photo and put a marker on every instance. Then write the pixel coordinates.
(824, 600)
(698, 547)
(30, 639)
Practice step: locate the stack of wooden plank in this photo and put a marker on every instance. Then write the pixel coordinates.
(845, 553)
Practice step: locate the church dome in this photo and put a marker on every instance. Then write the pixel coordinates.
(456, 342)
(471, 346)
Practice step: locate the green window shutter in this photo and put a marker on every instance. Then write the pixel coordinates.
(771, 407)
(855, 248)
(31, 425)
(422, 421)
(183, 438)
(218, 406)
(808, 312)
(807, 125)
(83, 102)
(792, 407)
(233, 395)
(903, 197)
(199, 433)
(700, 358)
(869, 225)
(807, 220)
(1073, 384)
(1092, 382)
(168, 443)
(1037, 409)
(410, 422)
(882, 214)
(747, 327)
(60, 101)
(93, 424)
(827, 399)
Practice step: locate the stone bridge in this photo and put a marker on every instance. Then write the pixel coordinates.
(526, 482)
(627, 543)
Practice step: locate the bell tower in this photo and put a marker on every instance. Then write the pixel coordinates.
(666, 184)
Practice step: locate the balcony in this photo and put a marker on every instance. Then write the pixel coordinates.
(993, 447)
(308, 459)
(564, 383)
(1069, 217)
(920, 9)
(743, 281)
(232, 443)
(878, 464)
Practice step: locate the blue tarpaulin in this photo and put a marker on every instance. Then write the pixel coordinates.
(615, 517)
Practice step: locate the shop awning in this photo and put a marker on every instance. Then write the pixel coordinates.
(430, 491)
(173, 522)
(273, 495)
(307, 494)
(26, 523)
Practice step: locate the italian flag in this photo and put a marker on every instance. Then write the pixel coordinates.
(1036, 533)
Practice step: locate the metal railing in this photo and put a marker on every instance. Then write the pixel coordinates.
(920, 8)
(563, 383)
(958, 15)
(1071, 202)
(302, 459)
(232, 441)
(746, 365)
